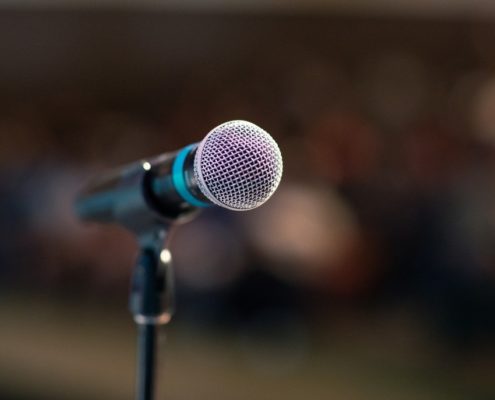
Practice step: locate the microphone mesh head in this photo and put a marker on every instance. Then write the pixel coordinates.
(238, 165)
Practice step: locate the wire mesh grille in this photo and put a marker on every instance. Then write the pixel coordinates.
(238, 165)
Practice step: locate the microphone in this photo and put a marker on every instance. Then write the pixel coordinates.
(237, 166)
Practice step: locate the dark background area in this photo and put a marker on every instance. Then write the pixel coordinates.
(369, 274)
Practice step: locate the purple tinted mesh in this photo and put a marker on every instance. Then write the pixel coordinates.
(238, 165)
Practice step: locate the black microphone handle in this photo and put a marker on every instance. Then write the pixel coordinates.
(141, 190)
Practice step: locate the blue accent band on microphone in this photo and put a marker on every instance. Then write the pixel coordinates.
(179, 179)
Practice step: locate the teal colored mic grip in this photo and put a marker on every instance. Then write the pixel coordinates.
(179, 179)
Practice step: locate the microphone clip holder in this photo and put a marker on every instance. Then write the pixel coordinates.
(152, 288)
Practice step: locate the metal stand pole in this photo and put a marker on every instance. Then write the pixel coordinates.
(151, 305)
(146, 362)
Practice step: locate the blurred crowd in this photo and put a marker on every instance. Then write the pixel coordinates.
(387, 200)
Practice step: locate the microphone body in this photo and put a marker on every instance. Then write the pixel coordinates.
(140, 193)
(237, 166)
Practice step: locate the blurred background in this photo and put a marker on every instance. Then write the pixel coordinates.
(370, 274)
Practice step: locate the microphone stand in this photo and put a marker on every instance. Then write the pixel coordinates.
(151, 303)
(151, 294)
